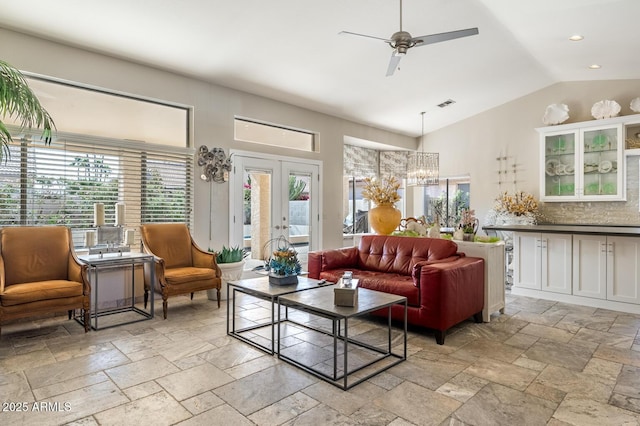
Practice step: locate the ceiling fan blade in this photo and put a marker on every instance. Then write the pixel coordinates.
(393, 63)
(364, 35)
(437, 38)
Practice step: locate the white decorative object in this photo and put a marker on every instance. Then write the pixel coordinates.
(417, 228)
(555, 114)
(458, 235)
(120, 209)
(434, 232)
(89, 238)
(605, 109)
(129, 236)
(98, 214)
(635, 105)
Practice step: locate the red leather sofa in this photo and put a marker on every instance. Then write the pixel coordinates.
(442, 287)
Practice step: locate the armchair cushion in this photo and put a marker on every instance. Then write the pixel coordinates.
(31, 292)
(40, 255)
(177, 276)
(171, 242)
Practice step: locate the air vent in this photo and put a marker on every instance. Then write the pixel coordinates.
(446, 103)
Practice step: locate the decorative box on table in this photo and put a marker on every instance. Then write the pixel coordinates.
(344, 294)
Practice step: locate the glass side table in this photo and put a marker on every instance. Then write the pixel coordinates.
(100, 263)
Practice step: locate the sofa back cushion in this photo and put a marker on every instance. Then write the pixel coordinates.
(169, 241)
(35, 253)
(398, 255)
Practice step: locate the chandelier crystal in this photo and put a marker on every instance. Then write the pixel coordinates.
(423, 167)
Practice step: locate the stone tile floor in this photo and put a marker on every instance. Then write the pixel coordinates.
(540, 363)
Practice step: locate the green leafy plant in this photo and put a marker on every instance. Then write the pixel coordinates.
(17, 100)
(229, 254)
(296, 188)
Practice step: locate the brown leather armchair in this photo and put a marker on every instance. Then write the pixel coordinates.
(40, 273)
(181, 266)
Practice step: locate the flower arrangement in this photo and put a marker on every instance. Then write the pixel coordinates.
(468, 221)
(285, 262)
(284, 258)
(383, 191)
(519, 204)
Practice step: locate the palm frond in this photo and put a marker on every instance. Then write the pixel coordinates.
(17, 100)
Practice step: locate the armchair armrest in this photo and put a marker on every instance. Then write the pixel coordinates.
(1, 274)
(79, 272)
(324, 260)
(204, 259)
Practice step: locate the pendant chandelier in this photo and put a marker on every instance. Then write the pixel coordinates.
(423, 167)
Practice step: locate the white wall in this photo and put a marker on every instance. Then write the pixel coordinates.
(214, 109)
(471, 146)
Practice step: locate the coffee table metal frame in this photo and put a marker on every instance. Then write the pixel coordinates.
(338, 314)
(100, 262)
(261, 289)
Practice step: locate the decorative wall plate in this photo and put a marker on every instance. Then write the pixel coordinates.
(605, 109)
(555, 114)
(635, 105)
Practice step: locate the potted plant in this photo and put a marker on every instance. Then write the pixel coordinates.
(283, 265)
(468, 224)
(18, 101)
(231, 263)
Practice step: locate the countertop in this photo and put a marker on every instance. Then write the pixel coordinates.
(621, 230)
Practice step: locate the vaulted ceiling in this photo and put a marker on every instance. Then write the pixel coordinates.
(291, 50)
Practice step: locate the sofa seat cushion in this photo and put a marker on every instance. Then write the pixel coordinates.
(18, 294)
(186, 275)
(401, 285)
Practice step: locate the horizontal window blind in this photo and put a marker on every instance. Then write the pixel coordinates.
(58, 184)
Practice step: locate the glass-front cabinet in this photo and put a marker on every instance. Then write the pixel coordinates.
(582, 163)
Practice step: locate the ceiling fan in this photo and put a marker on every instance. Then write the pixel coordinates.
(401, 41)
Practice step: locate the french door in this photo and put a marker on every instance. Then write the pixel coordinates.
(271, 198)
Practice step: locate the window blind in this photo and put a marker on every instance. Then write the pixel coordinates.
(58, 184)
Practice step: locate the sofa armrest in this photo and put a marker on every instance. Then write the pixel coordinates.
(452, 291)
(324, 260)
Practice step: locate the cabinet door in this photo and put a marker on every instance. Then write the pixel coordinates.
(602, 163)
(556, 262)
(559, 162)
(527, 260)
(590, 266)
(623, 269)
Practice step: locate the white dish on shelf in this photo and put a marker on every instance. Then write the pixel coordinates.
(555, 114)
(605, 166)
(550, 167)
(605, 109)
(635, 105)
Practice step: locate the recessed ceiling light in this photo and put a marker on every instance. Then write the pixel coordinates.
(576, 37)
(594, 66)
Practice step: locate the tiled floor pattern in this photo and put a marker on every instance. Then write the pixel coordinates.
(540, 363)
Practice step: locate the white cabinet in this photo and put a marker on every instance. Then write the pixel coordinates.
(582, 162)
(607, 267)
(542, 261)
(590, 266)
(494, 273)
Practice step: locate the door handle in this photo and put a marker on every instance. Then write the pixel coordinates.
(284, 226)
(277, 227)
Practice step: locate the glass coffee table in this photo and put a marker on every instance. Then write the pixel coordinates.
(371, 359)
(260, 288)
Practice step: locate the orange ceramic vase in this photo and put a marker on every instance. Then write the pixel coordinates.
(384, 219)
